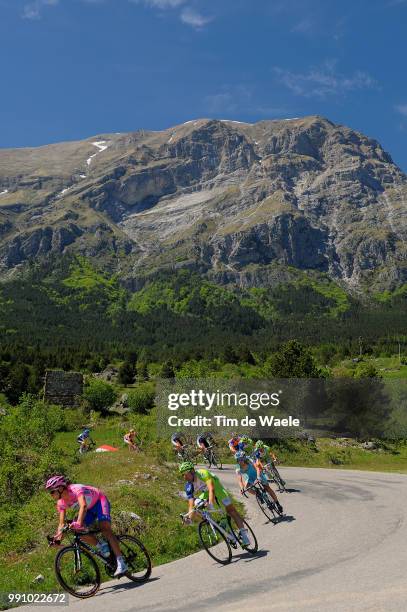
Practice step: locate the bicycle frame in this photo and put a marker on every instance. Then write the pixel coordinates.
(208, 453)
(268, 468)
(274, 475)
(79, 544)
(206, 515)
(84, 545)
(183, 453)
(258, 488)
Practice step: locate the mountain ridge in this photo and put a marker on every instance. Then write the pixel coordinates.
(218, 196)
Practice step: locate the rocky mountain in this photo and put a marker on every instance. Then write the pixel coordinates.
(242, 203)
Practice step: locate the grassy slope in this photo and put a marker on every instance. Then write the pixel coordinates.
(156, 500)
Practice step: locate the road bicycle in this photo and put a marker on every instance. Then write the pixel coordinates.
(184, 454)
(134, 447)
(266, 503)
(76, 568)
(211, 457)
(219, 537)
(274, 475)
(85, 448)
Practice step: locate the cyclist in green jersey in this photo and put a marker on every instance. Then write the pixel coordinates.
(203, 484)
(263, 458)
(246, 445)
(263, 453)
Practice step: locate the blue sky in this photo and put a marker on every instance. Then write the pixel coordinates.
(75, 68)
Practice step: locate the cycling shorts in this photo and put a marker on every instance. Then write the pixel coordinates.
(251, 475)
(99, 512)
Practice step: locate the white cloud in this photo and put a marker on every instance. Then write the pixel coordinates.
(193, 18)
(324, 81)
(188, 15)
(32, 10)
(402, 109)
(305, 26)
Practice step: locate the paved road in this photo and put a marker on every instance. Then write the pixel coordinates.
(344, 549)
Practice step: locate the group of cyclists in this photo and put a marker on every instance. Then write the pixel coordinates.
(201, 484)
(86, 443)
(204, 441)
(253, 462)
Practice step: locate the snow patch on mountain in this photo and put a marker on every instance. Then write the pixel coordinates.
(101, 145)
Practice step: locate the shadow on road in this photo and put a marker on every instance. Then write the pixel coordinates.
(292, 491)
(286, 518)
(248, 557)
(120, 586)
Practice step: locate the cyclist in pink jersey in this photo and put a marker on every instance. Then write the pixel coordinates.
(93, 505)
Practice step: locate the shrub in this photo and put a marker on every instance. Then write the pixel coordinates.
(141, 399)
(126, 373)
(27, 454)
(99, 395)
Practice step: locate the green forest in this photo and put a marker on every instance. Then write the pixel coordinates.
(65, 313)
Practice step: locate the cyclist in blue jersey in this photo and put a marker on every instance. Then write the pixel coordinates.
(84, 440)
(248, 473)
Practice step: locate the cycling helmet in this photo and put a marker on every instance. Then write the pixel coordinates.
(259, 444)
(186, 466)
(55, 481)
(240, 456)
(86, 432)
(246, 440)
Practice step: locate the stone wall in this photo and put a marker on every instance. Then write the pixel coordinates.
(64, 388)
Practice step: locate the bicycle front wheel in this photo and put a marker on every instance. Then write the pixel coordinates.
(215, 461)
(208, 458)
(266, 505)
(215, 543)
(253, 546)
(137, 558)
(77, 572)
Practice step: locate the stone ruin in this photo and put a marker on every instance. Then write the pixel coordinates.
(63, 388)
(109, 374)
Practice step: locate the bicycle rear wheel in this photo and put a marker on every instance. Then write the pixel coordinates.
(253, 546)
(77, 572)
(215, 543)
(137, 558)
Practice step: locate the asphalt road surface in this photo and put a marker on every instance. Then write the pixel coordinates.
(342, 546)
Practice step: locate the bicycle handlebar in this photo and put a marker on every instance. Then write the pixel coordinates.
(201, 511)
(67, 527)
